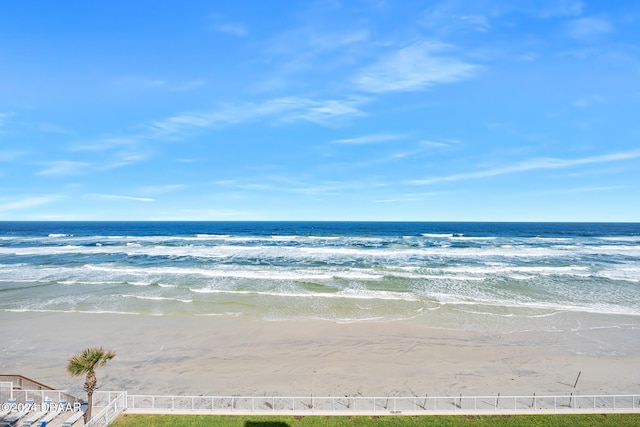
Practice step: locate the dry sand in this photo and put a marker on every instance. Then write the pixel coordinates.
(238, 356)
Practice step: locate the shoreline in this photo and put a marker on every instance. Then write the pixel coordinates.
(243, 356)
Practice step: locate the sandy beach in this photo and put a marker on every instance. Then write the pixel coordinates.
(240, 356)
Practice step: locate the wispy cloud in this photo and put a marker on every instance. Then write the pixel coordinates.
(103, 144)
(162, 189)
(449, 16)
(237, 30)
(414, 68)
(285, 109)
(223, 25)
(436, 144)
(146, 83)
(122, 159)
(63, 167)
(27, 203)
(370, 139)
(11, 155)
(412, 197)
(54, 129)
(4, 117)
(594, 189)
(530, 165)
(287, 184)
(123, 198)
(589, 28)
(327, 112)
(588, 101)
(183, 86)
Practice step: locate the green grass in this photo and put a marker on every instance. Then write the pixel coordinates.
(612, 420)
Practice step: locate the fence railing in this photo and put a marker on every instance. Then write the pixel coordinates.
(116, 403)
(41, 396)
(392, 405)
(108, 405)
(6, 391)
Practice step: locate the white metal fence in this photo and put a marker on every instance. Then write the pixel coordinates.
(389, 405)
(41, 396)
(108, 405)
(6, 391)
(113, 403)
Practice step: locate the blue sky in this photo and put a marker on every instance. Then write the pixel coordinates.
(320, 110)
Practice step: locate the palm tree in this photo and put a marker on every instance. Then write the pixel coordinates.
(85, 363)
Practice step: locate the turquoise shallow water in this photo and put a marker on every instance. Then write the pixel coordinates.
(336, 271)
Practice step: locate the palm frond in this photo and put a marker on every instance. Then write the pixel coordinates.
(86, 361)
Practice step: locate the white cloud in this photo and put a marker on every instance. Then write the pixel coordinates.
(162, 189)
(452, 16)
(63, 167)
(124, 198)
(29, 202)
(104, 144)
(237, 30)
(137, 83)
(530, 165)
(123, 159)
(285, 109)
(416, 197)
(325, 112)
(414, 68)
(4, 117)
(370, 139)
(54, 129)
(595, 189)
(553, 8)
(589, 101)
(436, 144)
(588, 28)
(11, 155)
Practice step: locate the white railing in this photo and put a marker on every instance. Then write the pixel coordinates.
(6, 391)
(41, 396)
(108, 405)
(117, 403)
(390, 405)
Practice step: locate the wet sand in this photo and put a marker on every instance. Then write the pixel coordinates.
(240, 356)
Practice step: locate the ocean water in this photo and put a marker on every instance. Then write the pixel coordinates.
(340, 271)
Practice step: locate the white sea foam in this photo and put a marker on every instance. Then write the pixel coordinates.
(30, 310)
(319, 276)
(328, 252)
(347, 294)
(156, 298)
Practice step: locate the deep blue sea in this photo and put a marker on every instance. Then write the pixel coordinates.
(341, 271)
